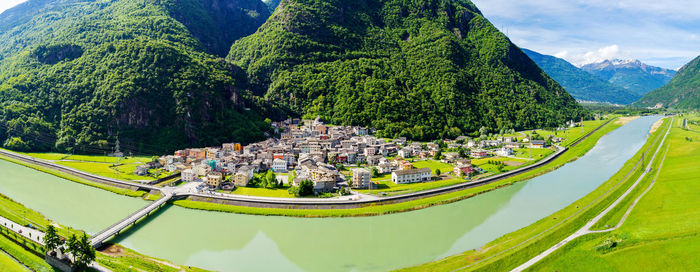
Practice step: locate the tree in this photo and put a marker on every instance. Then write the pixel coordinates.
(51, 239)
(306, 188)
(83, 252)
(438, 155)
(375, 172)
(437, 172)
(483, 131)
(270, 180)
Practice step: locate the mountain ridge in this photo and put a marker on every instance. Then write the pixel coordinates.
(423, 70)
(682, 92)
(580, 84)
(633, 75)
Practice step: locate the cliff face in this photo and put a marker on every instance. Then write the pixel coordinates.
(78, 74)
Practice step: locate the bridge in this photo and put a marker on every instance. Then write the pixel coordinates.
(98, 239)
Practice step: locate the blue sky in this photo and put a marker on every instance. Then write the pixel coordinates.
(663, 33)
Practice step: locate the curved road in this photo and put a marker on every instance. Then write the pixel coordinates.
(302, 202)
(586, 229)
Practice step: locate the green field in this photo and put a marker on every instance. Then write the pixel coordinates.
(536, 153)
(386, 187)
(10, 265)
(26, 257)
(248, 191)
(514, 248)
(433, 164)
(662, 231)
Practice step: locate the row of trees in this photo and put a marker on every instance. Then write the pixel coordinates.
(79, 247)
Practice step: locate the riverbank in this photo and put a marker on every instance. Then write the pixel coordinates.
(29, 253)
(660, 232)
(517, 247)
(401, 203)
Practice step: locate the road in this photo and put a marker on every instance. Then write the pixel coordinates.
(586, 229)
(29, 233)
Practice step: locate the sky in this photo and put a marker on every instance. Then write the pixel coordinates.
(664, 33)
(6, 4)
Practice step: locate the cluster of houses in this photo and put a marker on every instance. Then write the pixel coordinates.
(313, 149)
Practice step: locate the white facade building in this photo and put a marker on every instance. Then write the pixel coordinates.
(411, 175)
(279, 166)
(188, 175)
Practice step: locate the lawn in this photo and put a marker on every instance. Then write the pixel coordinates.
(123, 172)
(26, 257)
(10, 265)
(433, 164)
(248, 191)
(662, 231)
(386, 187)
(536, 153)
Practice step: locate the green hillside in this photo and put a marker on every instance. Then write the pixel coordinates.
(683, 92)
(77, 75)
(581, 84)
(422, 69)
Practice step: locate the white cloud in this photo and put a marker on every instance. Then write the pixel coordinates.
(7, 4)
(562, 54)
(605, 53)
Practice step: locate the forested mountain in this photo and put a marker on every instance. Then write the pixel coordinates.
(683, 92)
(633, 75)
(272, 4)
(422, 69)
(581, 84)
(77, 75)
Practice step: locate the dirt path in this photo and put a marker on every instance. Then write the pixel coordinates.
(625, 120)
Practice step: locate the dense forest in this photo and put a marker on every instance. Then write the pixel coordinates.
(420, 69)
(683, 92)
(78, 75)
(581, 84)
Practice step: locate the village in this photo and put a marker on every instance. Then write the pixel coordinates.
(335, 160)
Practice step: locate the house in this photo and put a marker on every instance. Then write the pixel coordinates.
(504, 152)
(404, 165)
(405, 153)
(188, 175)
(201, 169)
(243, 176)
(214, 179)
(538, 144)
(410, 176)
(279, 166)
(141, 170)
(361, 178)
(450, 157)
(463, 168)
(386, 167)
(479, 153)
(197, 153)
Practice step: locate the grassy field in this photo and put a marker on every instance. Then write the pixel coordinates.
(433, 164)
(282, 192)
(25, 256)
(371, 210)
(10, 265)
(515, 248)
(386, 187)
(111, 167)
(662, 231)
(537, 153)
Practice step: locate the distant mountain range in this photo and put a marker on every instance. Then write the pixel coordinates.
(580, 84)
(683, 92)
(633, 75)
(612, 81)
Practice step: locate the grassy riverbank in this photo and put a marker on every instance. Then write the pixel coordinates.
(30, 254)
(372, 210)
(661, 232)
(69, 177)
(517, 247)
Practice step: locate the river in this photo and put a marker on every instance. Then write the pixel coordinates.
(234, 242)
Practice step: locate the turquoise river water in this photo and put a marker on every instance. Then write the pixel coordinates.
(233, 242)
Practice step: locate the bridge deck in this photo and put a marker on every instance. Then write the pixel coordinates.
(104, 235)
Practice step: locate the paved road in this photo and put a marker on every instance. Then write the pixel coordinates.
(29, 233)
(586, 229)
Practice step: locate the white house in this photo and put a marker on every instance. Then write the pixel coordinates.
(188, 175)
(279, 166)
(361, 178)
(504, 152)
(410, 175)
(405, 153)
